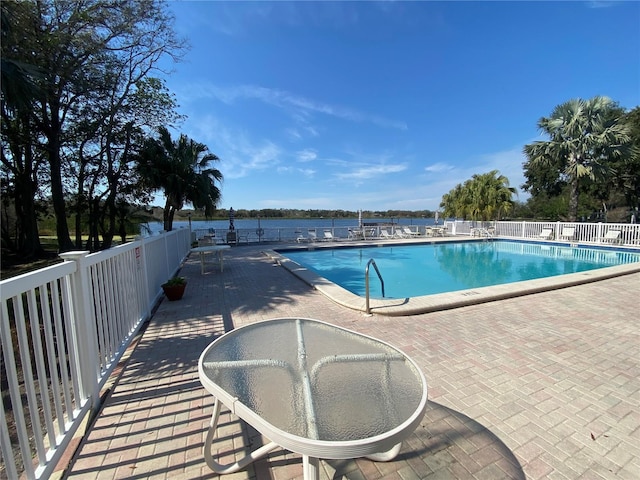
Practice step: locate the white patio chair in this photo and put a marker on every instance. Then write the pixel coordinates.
(384, 234)
(328, 236)
(612, 236)
(410, 233)
(568, 233)
(546, 234)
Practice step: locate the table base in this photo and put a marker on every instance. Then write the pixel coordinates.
(310, 465)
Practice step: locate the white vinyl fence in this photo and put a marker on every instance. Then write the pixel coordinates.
(63, 330)
(567, 232)
(583, 233)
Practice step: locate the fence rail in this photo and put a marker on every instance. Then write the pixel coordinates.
(63, 330)
(584, 233)
(566, 232)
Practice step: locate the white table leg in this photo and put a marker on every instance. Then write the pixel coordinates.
(201, 263)
(311, 468)
(386, 456)
(231, 467)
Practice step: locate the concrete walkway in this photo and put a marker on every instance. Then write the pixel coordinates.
(540, 386)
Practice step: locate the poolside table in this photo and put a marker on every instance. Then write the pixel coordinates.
(202, 251)
(314, 389)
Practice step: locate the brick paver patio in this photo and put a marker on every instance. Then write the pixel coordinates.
(541, 386)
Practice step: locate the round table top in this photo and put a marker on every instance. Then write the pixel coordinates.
(315, 388)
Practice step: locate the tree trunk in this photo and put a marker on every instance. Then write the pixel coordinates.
(573, 200)
(110, 216)
(29, 245)
(173, 205)
(606, 211)
(57, 190)
(166, 216)
(23, 168)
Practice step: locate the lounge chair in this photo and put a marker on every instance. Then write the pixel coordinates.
(410, 233)
(612, 236)
(397, 233)
(385, 234)
(357, 234)
(546, 234)
(328, 236)
(568, 233)
(243, 237)
(311, 236)
(481, 232)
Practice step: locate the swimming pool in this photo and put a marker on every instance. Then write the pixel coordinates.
(478, 270)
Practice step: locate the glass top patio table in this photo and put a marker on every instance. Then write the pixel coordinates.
(206, 249)
(316, 389)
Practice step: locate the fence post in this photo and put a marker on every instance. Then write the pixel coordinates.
(599, 234)
(141, 259)
(524, 228)
(84, 323)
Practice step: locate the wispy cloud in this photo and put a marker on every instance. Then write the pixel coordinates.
(305, 172)
(299, 107)
(439, 167)
(307, 155)
(239, 154)
(603, 3)
(239, 19)
(371, 171)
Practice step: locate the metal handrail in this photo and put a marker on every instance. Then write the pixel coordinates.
(366, 282)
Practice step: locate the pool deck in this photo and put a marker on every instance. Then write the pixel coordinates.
(545, 385)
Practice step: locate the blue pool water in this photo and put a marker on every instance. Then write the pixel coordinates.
(416, 270)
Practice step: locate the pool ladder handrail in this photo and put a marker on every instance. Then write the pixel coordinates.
(366, 283)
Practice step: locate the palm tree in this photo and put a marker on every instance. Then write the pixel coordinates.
(454, 203)
(583, 136)
(181, 169)
(491, 195)
(483, 197)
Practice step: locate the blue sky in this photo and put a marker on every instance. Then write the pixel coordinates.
(387, 105)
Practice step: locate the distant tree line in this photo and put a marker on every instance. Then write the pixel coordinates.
(223, 213)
